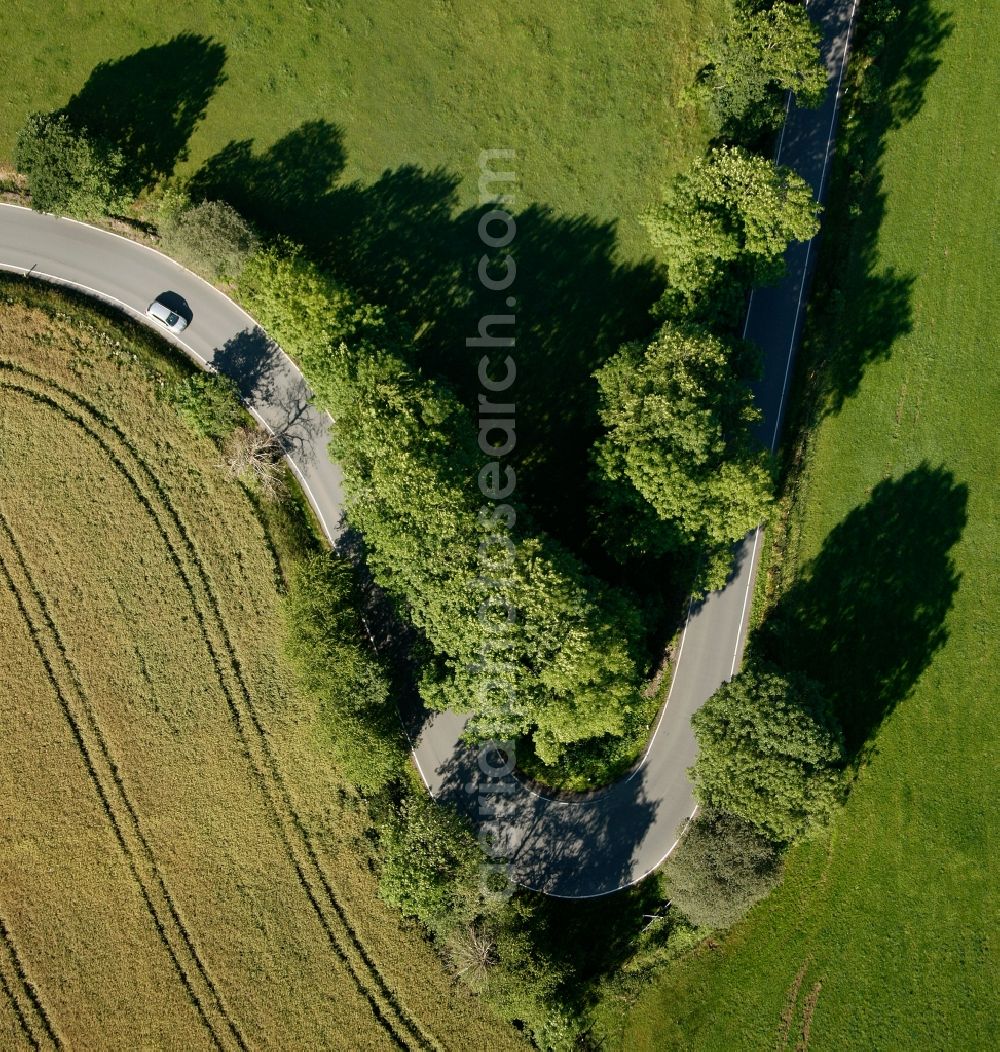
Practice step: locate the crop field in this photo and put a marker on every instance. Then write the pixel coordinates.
(883, 935)
(585, 93)
(181, 867)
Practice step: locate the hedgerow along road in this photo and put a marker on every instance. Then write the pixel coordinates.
(576, 847)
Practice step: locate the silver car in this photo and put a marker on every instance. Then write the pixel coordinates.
(168, 318)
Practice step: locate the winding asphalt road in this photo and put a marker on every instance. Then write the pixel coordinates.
(577, 847)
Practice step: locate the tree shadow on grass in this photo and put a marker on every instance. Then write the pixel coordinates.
(863, 307)
(868, 613)
(149, 104)
(403, 242)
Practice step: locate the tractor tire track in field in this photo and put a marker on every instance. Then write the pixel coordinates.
(107, 780)
(333, 918)
(28, 1006)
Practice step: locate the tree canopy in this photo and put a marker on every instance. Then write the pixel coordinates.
(721, 868)
(725, 224)
(764, 53)
(560, 665)
(769, 752)
(678, 414)
(69, 172)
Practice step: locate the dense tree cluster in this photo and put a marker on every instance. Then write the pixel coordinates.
(678, 414)
(562, 668)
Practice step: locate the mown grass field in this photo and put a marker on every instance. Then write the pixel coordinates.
(585, 94)
(884, 935)
(181, 866)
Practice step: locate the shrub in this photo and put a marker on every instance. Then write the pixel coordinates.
(721, 868)
(208, 403)
(769, 752)
(332, 662)
(67, 171)
(431, 868)
(211, 237)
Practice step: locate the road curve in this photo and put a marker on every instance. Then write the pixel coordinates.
(591, 846)
(222, 336)
(573, 848)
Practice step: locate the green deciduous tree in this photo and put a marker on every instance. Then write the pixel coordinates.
(68, 172)
(762, 54)
(726, 224)
(721, 868)
(211, 237)
(769, 752)
(678, 414)
(524, 638)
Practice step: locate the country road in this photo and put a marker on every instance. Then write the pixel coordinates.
(574, 848)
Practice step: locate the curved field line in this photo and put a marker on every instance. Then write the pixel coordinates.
(385, 1004)
(28, 1007)
(23, 1026)
(119, 810)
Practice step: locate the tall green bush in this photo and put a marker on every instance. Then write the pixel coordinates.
(68, 172)
(333, 664)
(210, 237)
(431, 865)
(208, 403)
(720, 869)
(769, 752)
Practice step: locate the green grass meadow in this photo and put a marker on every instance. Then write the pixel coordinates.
(584, 93)
(883, 935)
